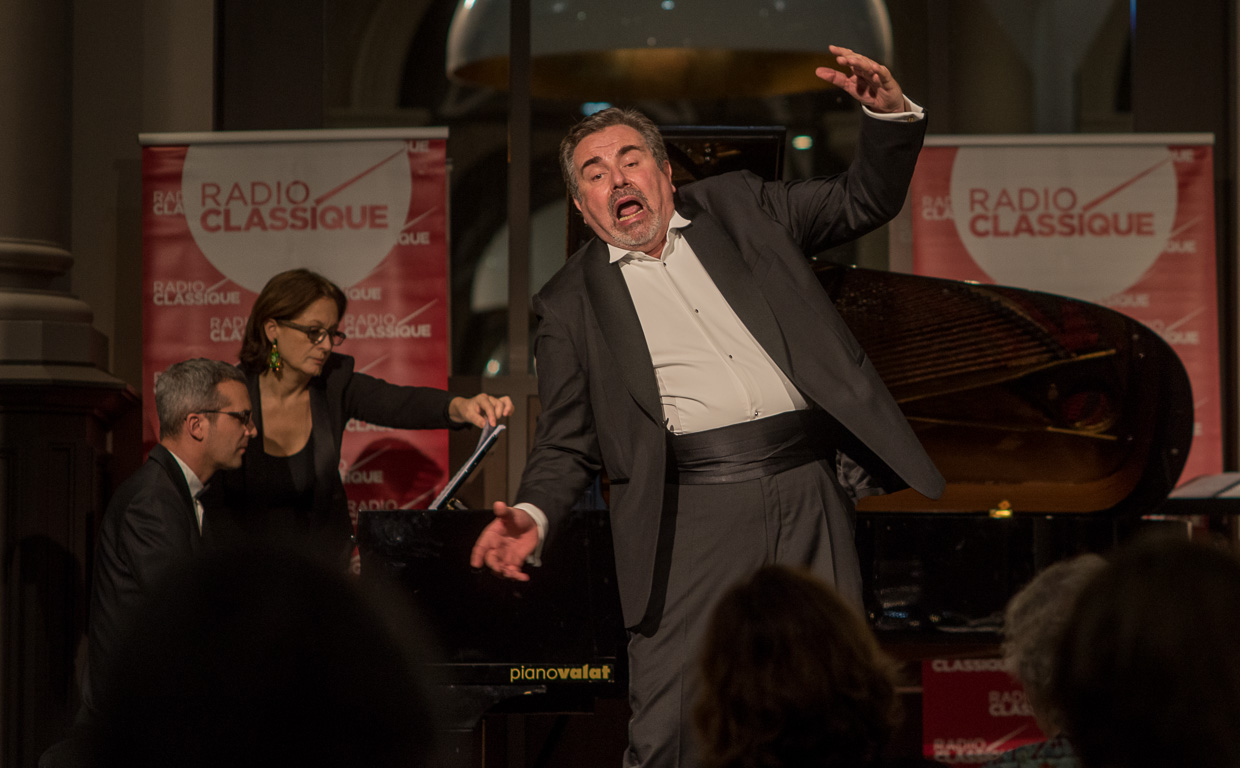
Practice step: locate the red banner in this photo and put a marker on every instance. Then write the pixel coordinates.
(972, 711)
(222, 213)
(1122, 221)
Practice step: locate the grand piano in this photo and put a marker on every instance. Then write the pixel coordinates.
(1058, 424)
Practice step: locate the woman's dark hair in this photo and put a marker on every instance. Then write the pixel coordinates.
(792, 676)
(1148, 672)
(284, 297)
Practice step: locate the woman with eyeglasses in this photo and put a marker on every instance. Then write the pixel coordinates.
(289, 490)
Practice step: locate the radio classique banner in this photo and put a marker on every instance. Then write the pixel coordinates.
(1125, 221)
(223, 212)
(973, 711)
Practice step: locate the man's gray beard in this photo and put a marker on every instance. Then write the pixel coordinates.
(635, 239)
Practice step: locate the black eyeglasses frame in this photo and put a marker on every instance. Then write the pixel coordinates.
(245, 417)
(316, 335)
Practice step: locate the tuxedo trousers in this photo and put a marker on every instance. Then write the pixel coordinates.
(714, 536)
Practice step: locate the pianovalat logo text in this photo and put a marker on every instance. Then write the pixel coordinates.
(557, 673)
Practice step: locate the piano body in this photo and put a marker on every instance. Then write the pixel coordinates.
(1058, 424)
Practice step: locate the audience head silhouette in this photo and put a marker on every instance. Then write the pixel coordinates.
(1034, 623)
(792, 676)
(260, 659)
(1149, 669)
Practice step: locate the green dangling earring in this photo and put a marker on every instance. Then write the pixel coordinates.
(273, 359)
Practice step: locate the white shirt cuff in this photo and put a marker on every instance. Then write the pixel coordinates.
(911, 114)
(540, 519)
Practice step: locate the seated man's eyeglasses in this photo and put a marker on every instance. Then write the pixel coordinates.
(316, 334)
(241, 416)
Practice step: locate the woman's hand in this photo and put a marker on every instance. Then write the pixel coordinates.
(480, 410)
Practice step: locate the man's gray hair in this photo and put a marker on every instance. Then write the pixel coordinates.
(190, 386)
(1034, 623)
(599, 121)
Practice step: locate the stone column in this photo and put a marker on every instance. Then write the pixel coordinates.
(57, 400)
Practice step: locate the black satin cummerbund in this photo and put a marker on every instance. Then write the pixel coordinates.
(751, 449)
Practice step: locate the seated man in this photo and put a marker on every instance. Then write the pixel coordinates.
(154, 520)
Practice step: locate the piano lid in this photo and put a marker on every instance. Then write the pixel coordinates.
(1047, 403)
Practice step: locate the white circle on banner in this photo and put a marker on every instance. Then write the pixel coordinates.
(1085, 222)
(337, 208)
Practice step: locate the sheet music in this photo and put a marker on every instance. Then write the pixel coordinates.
(485, 441)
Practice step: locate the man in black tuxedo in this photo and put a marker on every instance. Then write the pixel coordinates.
(690, 352)
(154, 520)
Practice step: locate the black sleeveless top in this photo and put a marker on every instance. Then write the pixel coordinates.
(288, 493)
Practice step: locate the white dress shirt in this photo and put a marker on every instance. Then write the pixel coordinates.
(710, 369)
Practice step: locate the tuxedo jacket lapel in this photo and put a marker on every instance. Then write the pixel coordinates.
(621, 328)
(168, 463)
(738, 284)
